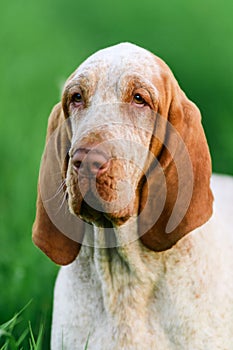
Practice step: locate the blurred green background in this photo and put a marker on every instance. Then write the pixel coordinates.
(42, 42)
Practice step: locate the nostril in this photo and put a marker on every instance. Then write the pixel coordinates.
(104, 167)
(77, 160)
(77, 164)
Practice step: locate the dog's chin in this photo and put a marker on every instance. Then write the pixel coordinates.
(92, 212)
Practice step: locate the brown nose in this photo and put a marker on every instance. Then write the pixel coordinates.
(89, 162)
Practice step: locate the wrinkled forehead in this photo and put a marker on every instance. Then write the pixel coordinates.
(117, 60)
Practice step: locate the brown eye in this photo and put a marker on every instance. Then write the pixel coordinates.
(138, 99)
(77, 98)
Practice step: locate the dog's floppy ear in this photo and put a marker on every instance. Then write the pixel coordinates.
(46, 234)
(186, 169)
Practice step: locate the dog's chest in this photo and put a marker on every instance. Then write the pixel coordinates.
(106, 304)
(102, 301)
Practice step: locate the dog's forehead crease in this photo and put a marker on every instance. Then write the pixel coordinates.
(118, 59)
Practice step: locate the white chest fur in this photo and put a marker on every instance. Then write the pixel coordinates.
(131, 298)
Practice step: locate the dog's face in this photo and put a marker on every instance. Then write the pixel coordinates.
(128, 143)
(112, 100)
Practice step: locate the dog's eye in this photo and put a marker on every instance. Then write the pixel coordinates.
(139, 100)
(77, 98)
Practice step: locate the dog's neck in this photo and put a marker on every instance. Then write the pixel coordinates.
(133, 281)
(127, 274)
(127, 271)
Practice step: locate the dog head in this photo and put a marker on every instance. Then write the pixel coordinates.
(126, 142)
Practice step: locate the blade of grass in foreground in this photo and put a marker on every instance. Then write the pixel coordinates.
(86, 346)
(8, 340)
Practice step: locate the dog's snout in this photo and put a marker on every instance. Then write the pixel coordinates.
(90, 162)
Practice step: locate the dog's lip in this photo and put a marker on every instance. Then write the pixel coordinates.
(98, 216)
(94, 216)
(89, 214)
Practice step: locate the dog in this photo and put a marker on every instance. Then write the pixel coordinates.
(127, 203)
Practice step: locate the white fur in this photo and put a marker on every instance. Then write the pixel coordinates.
(117, 54)
(131, 298)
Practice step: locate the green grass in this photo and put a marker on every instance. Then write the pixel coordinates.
(10, 339)
(42, 42)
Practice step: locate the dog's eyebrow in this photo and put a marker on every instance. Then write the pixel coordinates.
(72, 85)
(81, 80)
(136, 81)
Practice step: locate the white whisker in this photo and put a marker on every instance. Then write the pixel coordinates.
(62, 203)
(59, 190)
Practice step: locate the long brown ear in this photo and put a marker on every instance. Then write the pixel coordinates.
(46, 235)
(186, 170)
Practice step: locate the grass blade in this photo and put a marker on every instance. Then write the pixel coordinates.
(86, 346)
